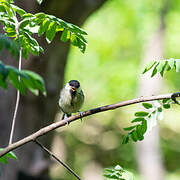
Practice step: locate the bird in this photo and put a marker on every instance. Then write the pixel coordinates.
(71, 98)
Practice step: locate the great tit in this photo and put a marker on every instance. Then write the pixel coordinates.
(71, 98)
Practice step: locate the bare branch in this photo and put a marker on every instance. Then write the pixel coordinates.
(57, 159)
(18, 93)
(61, 123)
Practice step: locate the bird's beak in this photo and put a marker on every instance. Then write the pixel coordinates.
(73, 88)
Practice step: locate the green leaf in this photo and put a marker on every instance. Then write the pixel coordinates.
(139, 132)
(125, 139)
(15, 81)
(161, 67)
(141, 113)
(177, 65)
(144, 126)
(37, 80)
(166, 106)
(171, 63)
(139, 119)
(64, 35)
(149, 66)
(9, 155)
(165, 101)
(147, 105)
(159, 109)
(154, 72)
(3, 160)
(51, 32)
(129, 128)
(20, 11)
(24, 23)
(134, 136)
(27, 15)
(43, 27)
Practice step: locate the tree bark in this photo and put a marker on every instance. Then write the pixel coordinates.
(36, 112)
(148, 151)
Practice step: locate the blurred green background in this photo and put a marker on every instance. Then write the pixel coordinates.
(109, 72)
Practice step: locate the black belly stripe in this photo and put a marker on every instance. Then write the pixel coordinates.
(73, 94)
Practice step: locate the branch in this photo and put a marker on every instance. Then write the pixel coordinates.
(57, 159)
(61, 123)
(18, 93)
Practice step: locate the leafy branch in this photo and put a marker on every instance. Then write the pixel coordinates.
(39, 23)
(162, 66)
(58, 124)
(7, 43)
(146, 120)
(29, 80)
(117, 173)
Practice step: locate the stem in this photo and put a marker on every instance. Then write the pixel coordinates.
(70, 119)
(18, 93)
(56, 158)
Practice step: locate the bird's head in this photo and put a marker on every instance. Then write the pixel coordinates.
(73, 85)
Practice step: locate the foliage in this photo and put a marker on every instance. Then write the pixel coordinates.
(9, 155)
(39, 23)
(117, 173)
(145, 121)
(21, 80)
(162, 66)
(7, 43)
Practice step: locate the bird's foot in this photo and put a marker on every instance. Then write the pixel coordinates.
(65, 118)
(81, 115)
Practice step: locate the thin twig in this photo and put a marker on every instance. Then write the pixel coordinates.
(61, 123)
(56, 158)
(18, 93)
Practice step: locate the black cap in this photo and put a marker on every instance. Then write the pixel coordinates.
(74, 83)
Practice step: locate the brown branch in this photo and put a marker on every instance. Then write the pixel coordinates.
(61, 123)
(57, 159)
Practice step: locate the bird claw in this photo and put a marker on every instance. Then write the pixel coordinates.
(66, 120)
(81, 115)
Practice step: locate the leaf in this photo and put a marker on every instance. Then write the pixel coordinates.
(161, 67)
(37, 80)
(165, 101)
(129, 128)
(64, 35)
(171, 63)
(51, 32)
(134, 136)
(9, 155)
(166, 106)
(20, 11)
(139, 119)
(149, 66)
(43, 27)
(141, 113)
(177, 65)
(125, 139)
(147, 105)
(144, 126)
(139, 132)
(154, 70)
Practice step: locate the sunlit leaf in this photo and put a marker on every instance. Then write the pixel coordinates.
(147, 105)
(141, 113)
